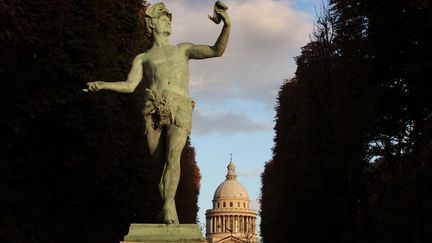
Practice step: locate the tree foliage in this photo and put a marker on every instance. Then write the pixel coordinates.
(189, 185)
(352, 156)
(74, 166)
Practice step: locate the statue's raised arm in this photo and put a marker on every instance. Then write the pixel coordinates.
(204, 51)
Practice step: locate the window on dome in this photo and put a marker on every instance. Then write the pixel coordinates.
(244, 205)
(218, 205)
(238, 204)
(231, 204)
(224, 204)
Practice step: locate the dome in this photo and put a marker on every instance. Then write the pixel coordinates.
(231, 218)
(231, 188)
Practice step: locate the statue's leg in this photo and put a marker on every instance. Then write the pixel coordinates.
(156, 149)
(154, 142)
(175, 140)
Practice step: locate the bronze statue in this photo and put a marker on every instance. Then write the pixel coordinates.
(168, 107)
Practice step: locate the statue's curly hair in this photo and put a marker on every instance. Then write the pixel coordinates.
(154, 11)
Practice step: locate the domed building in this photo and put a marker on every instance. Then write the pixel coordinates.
(232, 219)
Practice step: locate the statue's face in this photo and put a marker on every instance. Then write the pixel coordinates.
(162, 24)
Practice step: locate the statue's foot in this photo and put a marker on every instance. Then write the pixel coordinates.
(168, 215)
(166, 219)
(169, 221)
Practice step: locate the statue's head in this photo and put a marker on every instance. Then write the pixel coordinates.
(158, 19)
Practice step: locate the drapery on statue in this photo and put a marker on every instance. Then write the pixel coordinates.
(168, 107)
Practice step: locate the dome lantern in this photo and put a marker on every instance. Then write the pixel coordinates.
(231, 171)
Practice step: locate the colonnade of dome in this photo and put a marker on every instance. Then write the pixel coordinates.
(235, 223)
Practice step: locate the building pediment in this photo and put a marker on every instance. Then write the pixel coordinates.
(230, 239)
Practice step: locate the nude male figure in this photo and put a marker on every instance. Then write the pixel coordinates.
(168, 109)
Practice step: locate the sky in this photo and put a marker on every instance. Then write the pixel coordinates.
(236, 94)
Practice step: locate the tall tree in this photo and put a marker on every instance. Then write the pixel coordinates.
(373, 135)
(311, 191)
(400, 40)
(74, 166)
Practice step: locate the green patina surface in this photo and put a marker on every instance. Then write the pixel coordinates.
(168, 107)
(164, 233)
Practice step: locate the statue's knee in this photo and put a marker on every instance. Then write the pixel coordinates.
(175, 151)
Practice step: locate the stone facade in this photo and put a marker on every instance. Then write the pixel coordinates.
(232, 219)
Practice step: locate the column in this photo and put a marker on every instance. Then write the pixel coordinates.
(212, 225)
(226, 224)
(219, 223)
(248, 224)
(235, 224)
(252, 224)
(242, 224)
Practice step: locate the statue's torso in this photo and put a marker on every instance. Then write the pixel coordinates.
(167, 68)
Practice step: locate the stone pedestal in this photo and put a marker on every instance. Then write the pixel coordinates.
(159, 233)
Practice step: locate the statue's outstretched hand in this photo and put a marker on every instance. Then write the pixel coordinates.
(94, 86)
(219, 13)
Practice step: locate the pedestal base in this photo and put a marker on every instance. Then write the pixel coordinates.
(159, 233)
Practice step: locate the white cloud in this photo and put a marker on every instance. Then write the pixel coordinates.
(226, 123)
(264, 38)
(251, 173)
